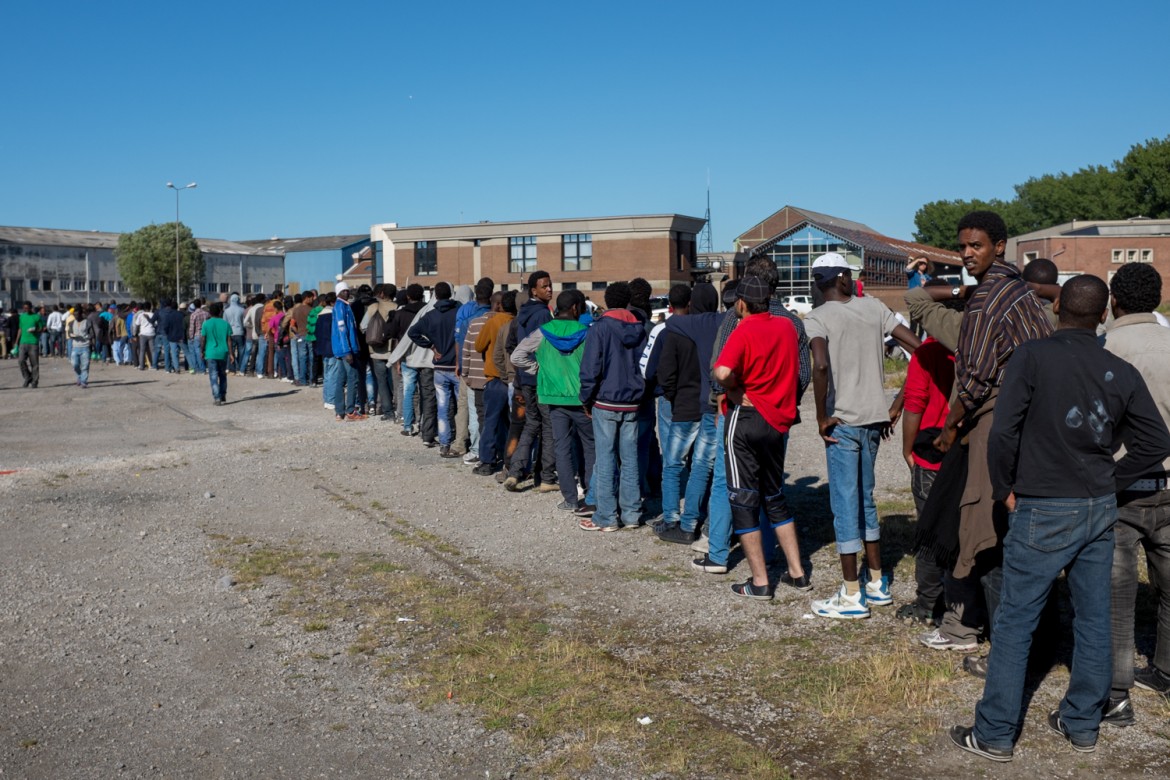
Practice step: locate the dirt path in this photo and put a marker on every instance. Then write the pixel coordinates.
(129, 646)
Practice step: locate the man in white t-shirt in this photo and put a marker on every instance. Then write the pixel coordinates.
(846, 336)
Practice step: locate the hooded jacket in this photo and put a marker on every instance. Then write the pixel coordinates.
(436, 331)
(553, 353)
(344, 330)
(533, 314)
(170, 324)
(234, 315)
(686, 351)
(609, 374)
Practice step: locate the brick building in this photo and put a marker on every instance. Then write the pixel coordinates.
(793, 237)
(583, 254)
(1096, 247)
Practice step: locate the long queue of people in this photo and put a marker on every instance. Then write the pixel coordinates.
(1036, 445)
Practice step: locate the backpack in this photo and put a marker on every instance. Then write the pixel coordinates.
(377, 330)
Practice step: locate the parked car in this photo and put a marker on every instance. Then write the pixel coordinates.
(797, 304)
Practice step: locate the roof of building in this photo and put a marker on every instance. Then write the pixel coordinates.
(1137, 226)
(852, 232)
(94, 239)
(599, 225)
(309, 244)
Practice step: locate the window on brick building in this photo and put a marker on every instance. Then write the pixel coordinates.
(577, 252)
(522, 254)
(600, 285)
(426, 258)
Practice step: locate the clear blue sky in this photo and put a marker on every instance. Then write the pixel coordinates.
(300, 118)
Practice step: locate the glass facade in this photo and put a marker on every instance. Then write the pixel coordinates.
(793, 256)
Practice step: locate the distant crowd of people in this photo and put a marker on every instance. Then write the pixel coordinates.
(1036, 444)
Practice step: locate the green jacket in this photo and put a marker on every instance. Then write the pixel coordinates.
(311, 327)
(558, 382)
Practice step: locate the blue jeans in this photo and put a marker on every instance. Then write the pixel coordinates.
(676, 440)
(161, 358)
(493, 439)
(172, 360)
(217, 374)
(447, 395)
(851, 464)
(261, 354)
(345, 394)
(409, 385)
(79, 357)
(615, 438)
(702, 465)
(195, 355)
(1046, 535)
(238, 354)
(301, 360)
(333, 374)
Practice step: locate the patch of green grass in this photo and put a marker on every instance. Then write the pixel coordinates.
(377, 505)
(316, 625)
(649, 574)
(27, 744)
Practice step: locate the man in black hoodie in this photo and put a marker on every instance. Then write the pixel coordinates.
(436, 331)
(533, 314)
(686, 351)
(403, 316)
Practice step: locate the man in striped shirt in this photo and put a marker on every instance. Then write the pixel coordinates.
(1002, 313)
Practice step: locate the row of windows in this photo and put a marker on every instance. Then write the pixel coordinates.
(106, 286)
(64, 285)
(576, 254)
(1133, 255)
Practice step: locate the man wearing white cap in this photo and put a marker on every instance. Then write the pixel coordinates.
(846, 336)
(345, 348)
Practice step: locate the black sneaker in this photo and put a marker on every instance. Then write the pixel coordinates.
(445, 452)
(585, 510)
(751, 591)
(976, 666)
(964, 738)
(1118, 712)
(429, 444)
(916, 615)
(485, 469)
(1152, 679)
(800, 583)
(709, 566)
(566, 506)
(661, 526)
(1057, 725)
(677, 535)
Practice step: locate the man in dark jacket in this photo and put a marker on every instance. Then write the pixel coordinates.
(612, 389)
(1065, 406)
(170, 327)
(403, 316)
(686, 352)
(436, 331)
(537, 430)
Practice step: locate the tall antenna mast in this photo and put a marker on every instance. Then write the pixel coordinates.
(705, 243)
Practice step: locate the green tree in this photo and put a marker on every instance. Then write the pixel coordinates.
(146, 261)
(1095, 192)
(1145, 171)
(937, 222)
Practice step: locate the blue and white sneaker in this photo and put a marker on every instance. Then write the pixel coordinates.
(842, 606)
(877, 594)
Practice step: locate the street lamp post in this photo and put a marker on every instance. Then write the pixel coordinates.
(177, 190)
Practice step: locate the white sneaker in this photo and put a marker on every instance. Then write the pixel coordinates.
(842, 606)
(878, 593)
(471, 458)
(329, 407)
(937, 640)
(702, 545)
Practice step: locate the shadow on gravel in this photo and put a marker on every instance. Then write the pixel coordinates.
(261, 397)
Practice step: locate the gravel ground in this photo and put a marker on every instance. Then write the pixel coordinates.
(127, 650)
